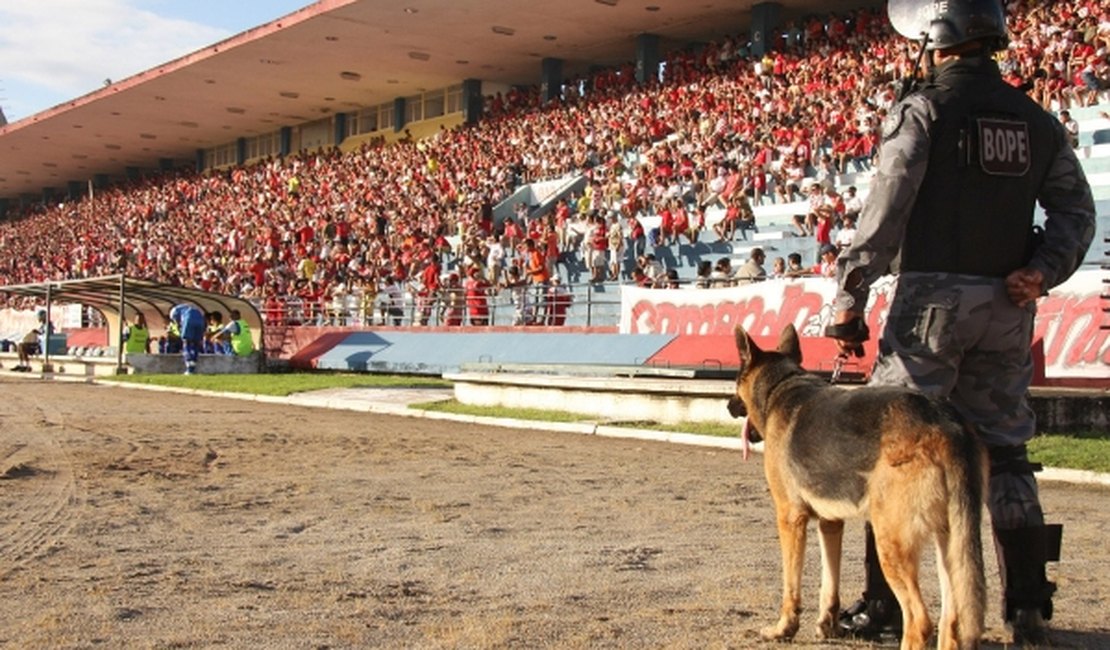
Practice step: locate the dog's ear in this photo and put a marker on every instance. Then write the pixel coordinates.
(746, 347)
(789, 345)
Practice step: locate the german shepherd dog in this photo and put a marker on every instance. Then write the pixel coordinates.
(891, 454)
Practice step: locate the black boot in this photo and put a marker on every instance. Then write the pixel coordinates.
(877, 615)
(1026, 591)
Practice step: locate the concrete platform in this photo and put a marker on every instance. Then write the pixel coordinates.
(63, 365)
(171, 364)
(207, 364)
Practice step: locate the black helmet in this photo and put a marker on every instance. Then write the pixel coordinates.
(948, 23)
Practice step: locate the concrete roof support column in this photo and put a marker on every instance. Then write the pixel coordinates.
(647, 58)
(285, 141)
(340, 129)
(399, 114)
(240, 151)
(766, 17)
(472, 100)
(551, 80)
(201, 160)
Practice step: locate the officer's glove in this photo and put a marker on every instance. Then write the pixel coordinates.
(850, 335)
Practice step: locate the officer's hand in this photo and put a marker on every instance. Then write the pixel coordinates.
(1024, 286)
(849, 332)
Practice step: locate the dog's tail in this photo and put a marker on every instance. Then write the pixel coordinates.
(966, 482)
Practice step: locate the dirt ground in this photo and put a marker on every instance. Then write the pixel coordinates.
(135, 519)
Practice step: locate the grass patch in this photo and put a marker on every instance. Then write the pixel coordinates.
(1086, 450)
(537, 415)
(542, 415)
(283, 384)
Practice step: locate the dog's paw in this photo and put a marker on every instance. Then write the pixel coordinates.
(782, 631)
(827, 627)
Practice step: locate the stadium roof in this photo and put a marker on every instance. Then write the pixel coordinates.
(336, 56)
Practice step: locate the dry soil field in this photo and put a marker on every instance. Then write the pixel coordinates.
(132, 519)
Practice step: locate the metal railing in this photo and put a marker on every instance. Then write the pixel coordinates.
(585, 305)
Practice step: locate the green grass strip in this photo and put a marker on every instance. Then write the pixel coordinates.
(1088, 450)
(535, 415)
(281, 385)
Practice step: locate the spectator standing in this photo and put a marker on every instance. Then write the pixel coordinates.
(1071, 127)
(477, 297)
(558, 302)
(393, 289)
(34, 342)
(518, 286)
(454, 301)
(636, 236)
(616, 247)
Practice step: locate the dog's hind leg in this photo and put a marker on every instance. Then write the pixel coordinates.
(899, 545)
(792, 522)
(947, 627)
(832, 535)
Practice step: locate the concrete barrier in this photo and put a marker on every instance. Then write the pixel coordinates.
(675, 400)
(207, 364)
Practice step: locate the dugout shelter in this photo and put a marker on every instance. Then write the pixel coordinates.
(120, 298)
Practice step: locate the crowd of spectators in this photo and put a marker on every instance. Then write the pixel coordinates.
(321, 236)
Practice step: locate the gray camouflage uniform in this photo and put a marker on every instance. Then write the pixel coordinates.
(952, 329)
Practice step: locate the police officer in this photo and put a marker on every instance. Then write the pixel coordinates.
(963, 161)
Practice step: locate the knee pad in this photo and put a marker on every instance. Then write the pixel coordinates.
(1012, 496)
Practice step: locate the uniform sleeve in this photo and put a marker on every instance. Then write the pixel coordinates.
(1069, 216)
(903, 159)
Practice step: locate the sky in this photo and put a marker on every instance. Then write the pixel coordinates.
(52, 51)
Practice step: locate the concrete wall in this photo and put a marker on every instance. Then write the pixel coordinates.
(606, 399)
(673, 401)
(207, 364)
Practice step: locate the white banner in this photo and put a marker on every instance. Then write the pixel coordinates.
(1069, 319)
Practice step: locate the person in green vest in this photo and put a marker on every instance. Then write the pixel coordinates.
(136, 336)
(238, 334)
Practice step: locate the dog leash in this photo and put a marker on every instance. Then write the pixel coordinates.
(855, 332)
(838, 367)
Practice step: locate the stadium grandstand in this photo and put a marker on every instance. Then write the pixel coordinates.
(363, 164)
